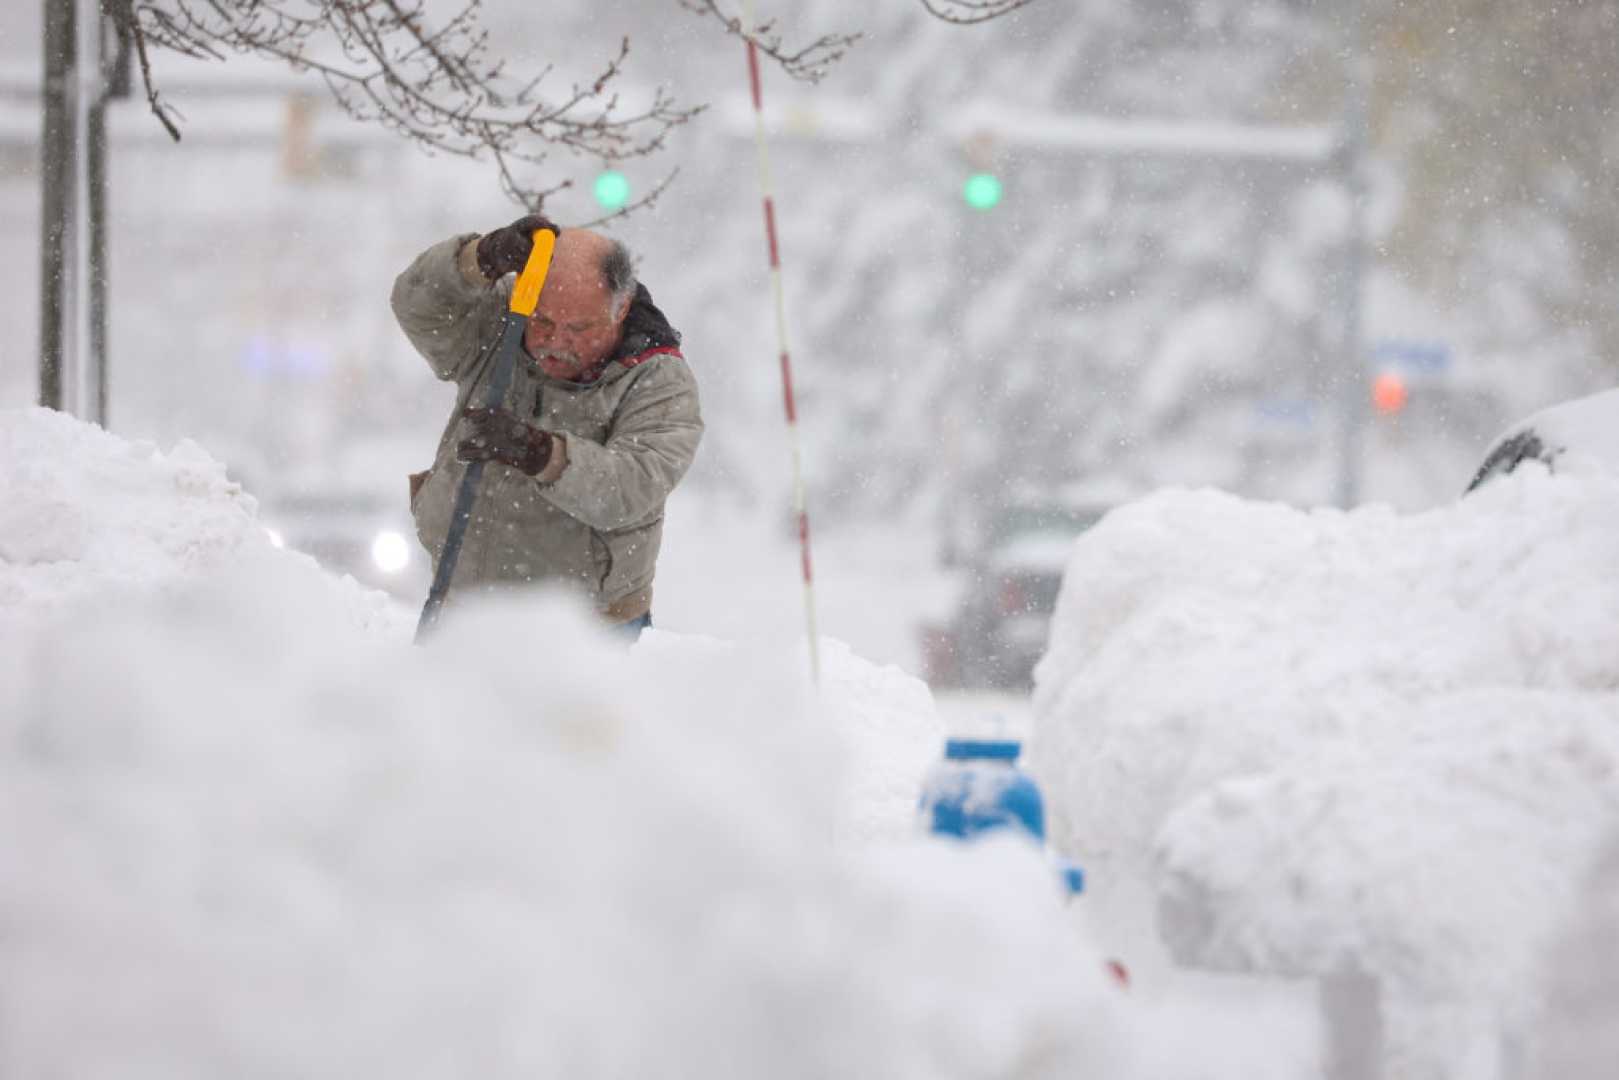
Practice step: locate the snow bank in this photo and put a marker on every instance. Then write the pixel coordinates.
(1327, 740)
(84, 513)
(250, 830)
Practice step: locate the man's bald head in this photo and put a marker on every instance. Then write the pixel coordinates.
(582, 307)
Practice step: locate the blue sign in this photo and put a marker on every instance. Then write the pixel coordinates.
(1414, 357)
(1286, 412)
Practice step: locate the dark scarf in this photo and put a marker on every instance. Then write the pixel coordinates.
(645, 328)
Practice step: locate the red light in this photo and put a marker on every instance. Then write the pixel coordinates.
(1389, 393)
(1013, 600)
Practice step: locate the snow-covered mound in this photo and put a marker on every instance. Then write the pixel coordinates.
(250, 832)
(1327, 740)
(84, 513)
(1581, 435)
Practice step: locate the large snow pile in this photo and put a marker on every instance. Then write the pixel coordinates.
(1327, 741)
(84, 514)
(248, 832)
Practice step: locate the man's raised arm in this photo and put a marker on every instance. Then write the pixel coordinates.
(446, 306)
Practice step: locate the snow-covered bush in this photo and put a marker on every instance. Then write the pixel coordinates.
(1325, 741)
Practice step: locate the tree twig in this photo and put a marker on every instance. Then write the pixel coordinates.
(968, 12)
(435, 82)
(123, 15)
(808, 64)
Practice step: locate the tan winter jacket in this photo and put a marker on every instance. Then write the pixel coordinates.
(594, 517)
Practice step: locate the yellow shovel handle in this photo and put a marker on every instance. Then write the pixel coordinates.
(526, 293)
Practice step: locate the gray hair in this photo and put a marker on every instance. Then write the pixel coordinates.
(618, 270)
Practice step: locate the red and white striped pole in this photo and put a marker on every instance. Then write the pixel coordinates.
(765, 188)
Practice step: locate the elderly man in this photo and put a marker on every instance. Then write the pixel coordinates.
(600, 422)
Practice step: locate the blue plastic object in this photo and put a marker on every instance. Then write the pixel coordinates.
(982, 749)
(1073, 878)
(979, 788)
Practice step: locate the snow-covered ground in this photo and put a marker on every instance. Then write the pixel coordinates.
(251, 829)
(1316, 742)
(1580, 1040)
(734, 573)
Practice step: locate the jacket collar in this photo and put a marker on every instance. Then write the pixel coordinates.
(646, 330)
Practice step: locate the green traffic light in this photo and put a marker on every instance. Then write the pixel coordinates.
(982, 191)
(612, 190)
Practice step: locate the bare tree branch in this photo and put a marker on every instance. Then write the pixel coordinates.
(123, 15)
(967, 12)
(434, 82)
(642, 203)
(808, 64)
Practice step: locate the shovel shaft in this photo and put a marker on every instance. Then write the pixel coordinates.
(525, 295)
(466, 496)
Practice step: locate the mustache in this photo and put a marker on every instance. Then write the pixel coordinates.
(556, 354)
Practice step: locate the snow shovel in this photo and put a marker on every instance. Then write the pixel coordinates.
(525, 295)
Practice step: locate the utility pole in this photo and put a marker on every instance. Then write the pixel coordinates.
(58, 186)
(1353, 384)
(81, 76)
(112, 75)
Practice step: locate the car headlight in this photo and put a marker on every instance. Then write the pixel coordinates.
(390, 551)
(276, 539)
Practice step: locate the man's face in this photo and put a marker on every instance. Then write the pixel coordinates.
(573, 327)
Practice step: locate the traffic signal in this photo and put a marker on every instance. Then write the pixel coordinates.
(612, 190)
(982, 191)
(1389, 393)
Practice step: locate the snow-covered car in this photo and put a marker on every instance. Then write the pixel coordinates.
(998, 630)
(1585, 428)
(351, 531)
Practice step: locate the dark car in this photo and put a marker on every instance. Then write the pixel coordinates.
(997, 632)
(1585, 428)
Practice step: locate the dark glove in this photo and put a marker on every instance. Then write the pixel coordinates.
(505, 251)
(497, 435)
